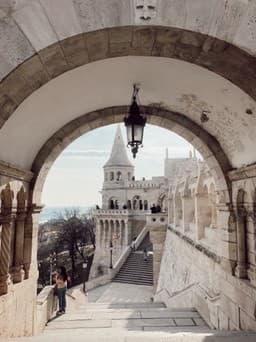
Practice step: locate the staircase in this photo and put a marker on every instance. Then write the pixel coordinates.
(123, 321)
(136, 270)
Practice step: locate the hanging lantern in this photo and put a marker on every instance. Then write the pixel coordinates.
(135, 124)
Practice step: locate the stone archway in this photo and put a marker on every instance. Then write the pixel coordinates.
(211, 53)
(207, 145)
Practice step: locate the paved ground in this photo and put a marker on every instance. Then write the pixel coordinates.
(121, 293)
(125, 313)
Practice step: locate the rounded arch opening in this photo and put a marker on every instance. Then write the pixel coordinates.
(206, 144)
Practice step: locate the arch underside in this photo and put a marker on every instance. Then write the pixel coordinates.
(214, 59)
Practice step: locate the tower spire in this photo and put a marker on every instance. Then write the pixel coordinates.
(118, 155)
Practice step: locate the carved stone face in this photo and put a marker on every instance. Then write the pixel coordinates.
(146, 9)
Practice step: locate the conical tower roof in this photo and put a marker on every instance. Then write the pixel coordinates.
(118, 156)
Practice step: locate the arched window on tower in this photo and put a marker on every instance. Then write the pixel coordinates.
(129, 204)
(119, 176)
(129, 176)
(116, 204)
(136, 202)
(112, 176)
(111, 204)
(141, 205)
(145, 205)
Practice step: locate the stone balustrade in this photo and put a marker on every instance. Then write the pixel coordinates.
(46, 307)
(114, 212)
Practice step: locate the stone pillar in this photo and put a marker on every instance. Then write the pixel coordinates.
(18, 271)
(175, 213)
(201, 203)
(170, 211)
(157, 236)
(187, 209)
(228, 250)
(104, 234)
(31, 241)
(102, 229)
(5, 255)
(128, 225)
(241, 268)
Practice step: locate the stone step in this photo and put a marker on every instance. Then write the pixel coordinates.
(134, 282)
(130, 314)
(134, 279)
(160, 334)
(131, 305)
(139, 274)
(142, 319)
(136, 270)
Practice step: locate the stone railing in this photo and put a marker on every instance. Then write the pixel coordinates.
(46, 307)
(141, 236)
(144, 185)
(106, 278)
(119, 212)
(190, 294)
(113, 212)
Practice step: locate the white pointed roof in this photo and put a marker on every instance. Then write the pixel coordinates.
(118, 156)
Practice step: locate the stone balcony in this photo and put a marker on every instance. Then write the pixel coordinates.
(157, 219)
(120, 212)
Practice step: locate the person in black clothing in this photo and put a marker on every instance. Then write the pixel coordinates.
(153, 209)
(158, 209)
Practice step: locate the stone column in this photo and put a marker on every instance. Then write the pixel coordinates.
(5, 255)
(103, 237)
(241, 268)
(187, 208)
(128, 225)
(157, 237)
(18, 272)
(200, 207)
(31, 241)
(170, 211)
(228, 247)
(102, 228)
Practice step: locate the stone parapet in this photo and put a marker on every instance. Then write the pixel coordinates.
(190, 277)
(46, 306)
(18, 310)
(157, 234)
(111, 212)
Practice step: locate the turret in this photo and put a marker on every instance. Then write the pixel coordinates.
(118, 171)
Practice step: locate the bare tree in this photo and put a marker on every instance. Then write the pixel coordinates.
(76, 233)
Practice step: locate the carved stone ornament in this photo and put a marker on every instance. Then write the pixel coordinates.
(145, 10)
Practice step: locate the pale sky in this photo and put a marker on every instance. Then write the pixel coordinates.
(76, 177)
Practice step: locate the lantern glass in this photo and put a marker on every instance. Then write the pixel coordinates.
(138, 133)
(134, 134)
(129, 134)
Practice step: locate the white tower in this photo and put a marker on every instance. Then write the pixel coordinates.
(118, 171)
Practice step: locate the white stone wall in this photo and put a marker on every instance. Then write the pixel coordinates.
(190, 278)
(18, 310)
